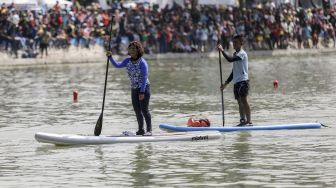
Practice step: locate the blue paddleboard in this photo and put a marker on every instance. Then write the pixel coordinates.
(247, 128)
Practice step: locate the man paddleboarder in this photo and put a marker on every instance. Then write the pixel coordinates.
(239, 76)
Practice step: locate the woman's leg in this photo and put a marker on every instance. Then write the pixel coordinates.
(145, 111)
(137, 110)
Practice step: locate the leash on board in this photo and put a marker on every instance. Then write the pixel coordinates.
(323, 125)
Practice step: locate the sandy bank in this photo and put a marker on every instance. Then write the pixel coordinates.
(97, 55)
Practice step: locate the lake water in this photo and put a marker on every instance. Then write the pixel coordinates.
(39, 99)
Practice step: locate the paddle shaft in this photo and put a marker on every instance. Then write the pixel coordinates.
(99, 124)
(107, 65)
(221, 81)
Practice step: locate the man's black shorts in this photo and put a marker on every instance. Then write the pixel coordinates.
(241, 89)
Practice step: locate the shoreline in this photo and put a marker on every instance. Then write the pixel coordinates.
(96, 54)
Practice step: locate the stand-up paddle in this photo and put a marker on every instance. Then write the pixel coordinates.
(221, 81)
(99, 124)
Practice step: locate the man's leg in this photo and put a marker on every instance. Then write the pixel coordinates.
(246, 109)
(241, 110)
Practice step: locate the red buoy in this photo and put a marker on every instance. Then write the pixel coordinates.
(275, 84)
(75, 96)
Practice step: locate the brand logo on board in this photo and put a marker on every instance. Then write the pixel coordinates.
(200, 138)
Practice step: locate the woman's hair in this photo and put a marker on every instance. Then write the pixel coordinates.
(138, 46)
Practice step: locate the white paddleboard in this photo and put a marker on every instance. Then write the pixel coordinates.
(73, 139)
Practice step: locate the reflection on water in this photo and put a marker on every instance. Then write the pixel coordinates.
(141, 174)
(241, 148)
(101, 163)
(237, 159)
(40, 99)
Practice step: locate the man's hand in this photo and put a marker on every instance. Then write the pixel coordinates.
(220, 48)
(222, 87)
(141, 97)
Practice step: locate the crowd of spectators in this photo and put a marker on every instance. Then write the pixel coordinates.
(172, 29)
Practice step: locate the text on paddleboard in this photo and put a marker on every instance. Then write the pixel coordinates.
(200, 138)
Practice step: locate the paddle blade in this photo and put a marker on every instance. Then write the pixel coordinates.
(99, 125)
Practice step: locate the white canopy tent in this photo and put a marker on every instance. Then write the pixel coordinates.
(218, 2)
(51, 3)
(162, 3)
(104, 5)
(22, 4)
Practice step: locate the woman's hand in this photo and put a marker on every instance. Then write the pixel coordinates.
(108, 53)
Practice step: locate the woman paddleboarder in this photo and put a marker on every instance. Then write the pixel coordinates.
(137, 70)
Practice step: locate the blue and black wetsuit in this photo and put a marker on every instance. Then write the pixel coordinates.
(137, 71)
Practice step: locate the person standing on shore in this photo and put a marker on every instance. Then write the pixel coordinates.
(137, 70)
(45, 37)
(239, 76)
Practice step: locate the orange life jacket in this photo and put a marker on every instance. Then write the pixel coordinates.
(198, 123)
